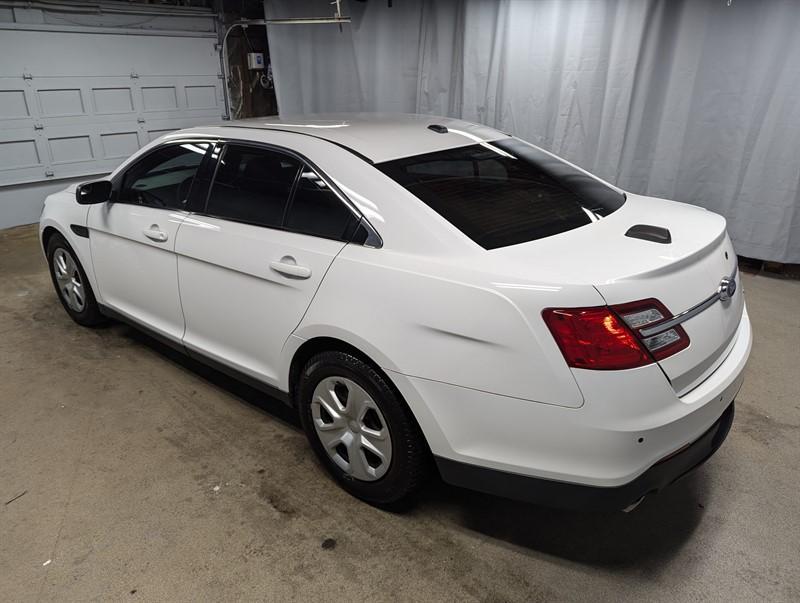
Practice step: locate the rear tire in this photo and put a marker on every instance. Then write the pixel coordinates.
(361, 430)
(71, 285)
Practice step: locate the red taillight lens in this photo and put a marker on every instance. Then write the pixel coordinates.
(613, 338)
(594, 338)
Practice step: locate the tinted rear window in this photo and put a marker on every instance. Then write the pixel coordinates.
(505, 192)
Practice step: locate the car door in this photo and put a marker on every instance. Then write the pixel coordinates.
(132, 237)
(249, 266)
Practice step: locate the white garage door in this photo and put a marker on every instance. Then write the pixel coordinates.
(75, 100)
(76, 103)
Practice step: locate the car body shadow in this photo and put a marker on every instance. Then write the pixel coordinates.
(251, 396)
(652, 532)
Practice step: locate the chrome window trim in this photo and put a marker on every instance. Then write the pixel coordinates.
(687, 314)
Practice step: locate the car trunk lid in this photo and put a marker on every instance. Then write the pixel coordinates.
(681, 260)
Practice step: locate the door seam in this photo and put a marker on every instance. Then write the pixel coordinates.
(313, 297)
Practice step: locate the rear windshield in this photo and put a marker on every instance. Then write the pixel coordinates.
(504, 192)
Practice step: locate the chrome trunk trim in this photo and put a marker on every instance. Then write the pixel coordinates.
(690, 313)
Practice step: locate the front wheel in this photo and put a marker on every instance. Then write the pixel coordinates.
(361, 430)
(71, 284)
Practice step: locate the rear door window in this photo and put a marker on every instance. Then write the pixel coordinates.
(505, 192)
(252, 185)
(316, 210)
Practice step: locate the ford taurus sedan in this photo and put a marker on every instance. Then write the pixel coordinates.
(431, 295)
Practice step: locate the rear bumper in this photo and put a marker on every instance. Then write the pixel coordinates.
(579, 496)
(606, 454)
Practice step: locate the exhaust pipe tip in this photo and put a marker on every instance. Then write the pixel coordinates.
(633, 505)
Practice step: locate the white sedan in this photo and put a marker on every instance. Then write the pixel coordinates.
(430, 294)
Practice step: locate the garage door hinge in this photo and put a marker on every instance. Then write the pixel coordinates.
(49, 173)
(140, 120)
(38, 126)
(27, 76)
(134, 75)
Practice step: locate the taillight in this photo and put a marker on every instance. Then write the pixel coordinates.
(594, 338)
(644, 317)
(613, 338)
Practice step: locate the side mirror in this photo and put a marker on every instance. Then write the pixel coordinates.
(90, 193)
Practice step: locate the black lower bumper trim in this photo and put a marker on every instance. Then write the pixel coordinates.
(567, 495)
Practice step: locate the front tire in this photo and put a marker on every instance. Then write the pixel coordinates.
(361, 430)
(70, 282)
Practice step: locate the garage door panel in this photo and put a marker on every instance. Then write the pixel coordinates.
(23, 156)
(13, 104)
(159, 98)
(20, 153)
(119, 145)
(200, 96)
(60, 102)
(70, 149)
(112, 100)
(17, 103)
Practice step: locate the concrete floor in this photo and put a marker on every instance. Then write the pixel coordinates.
(148, 477)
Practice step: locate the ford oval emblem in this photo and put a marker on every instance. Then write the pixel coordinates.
(727, 287)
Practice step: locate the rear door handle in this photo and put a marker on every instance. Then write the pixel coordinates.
(154, 233)
(288, 266)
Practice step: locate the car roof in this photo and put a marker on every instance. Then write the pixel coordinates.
(378, 137)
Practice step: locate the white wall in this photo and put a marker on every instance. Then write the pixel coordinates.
(693, 100)
(81, 92)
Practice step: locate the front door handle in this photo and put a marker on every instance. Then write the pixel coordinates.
(288, 266)
(154, 233)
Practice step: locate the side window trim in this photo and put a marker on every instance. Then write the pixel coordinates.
(119, 179)
(292, 193)
(203, 178)
(363, 229)
(217, 154)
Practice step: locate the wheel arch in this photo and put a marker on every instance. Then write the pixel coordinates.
(49, 227)
(325, 343)
(318, 344)
(47, 234)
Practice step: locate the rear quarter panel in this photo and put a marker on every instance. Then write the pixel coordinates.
(459, 329)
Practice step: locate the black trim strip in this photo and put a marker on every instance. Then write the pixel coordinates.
(240, 376)
(79, 230)
(199, 356)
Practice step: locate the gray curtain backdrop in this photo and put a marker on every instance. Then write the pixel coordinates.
(695, 101)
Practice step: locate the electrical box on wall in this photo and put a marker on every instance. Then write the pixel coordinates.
(255, 60)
